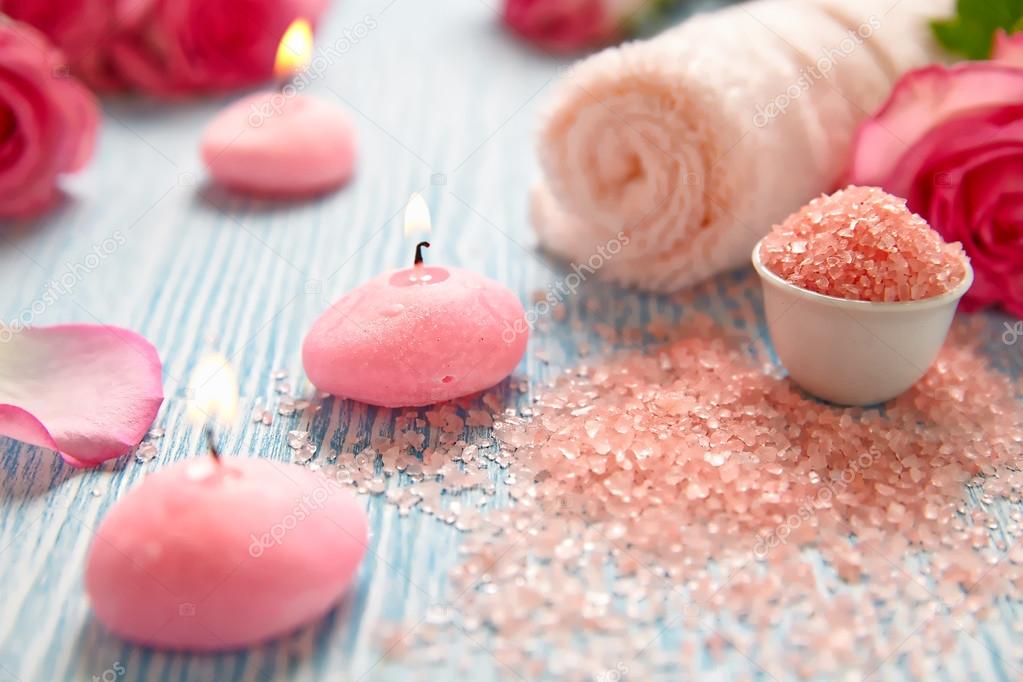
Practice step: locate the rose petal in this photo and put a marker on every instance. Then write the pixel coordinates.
(88, 391)
(1008, 48)
(923, 100)
(951, 147)
(974, 183)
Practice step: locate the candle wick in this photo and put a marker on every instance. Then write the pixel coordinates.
(419, 252)
(211, 444)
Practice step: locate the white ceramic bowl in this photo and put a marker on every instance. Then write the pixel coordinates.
(854, 352)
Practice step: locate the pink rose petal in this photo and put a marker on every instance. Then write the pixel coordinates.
(89, 392)
(923, 99)
(1008, 48)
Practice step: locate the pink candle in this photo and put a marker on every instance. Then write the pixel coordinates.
(282, 143)
(220, 553)
(417, 336)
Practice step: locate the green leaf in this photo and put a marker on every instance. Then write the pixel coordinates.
(970, 32)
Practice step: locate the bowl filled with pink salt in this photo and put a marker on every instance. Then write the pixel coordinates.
(859, 293)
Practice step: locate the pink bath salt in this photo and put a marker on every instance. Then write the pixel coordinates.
(690, 484)
(275, 144)
(214, 555)
(417, 336)
(862, 243)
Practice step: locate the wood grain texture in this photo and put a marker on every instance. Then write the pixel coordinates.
(445, 104)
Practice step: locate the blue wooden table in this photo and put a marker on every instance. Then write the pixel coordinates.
(445, 104)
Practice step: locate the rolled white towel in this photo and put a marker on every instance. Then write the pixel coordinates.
(696, 142)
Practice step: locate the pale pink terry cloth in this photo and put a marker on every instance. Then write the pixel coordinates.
(696, 142)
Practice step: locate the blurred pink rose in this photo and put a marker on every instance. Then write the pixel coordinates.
(47, 120)
(74, 26)
(565, 26)
(167, 47)
(950, 140)
(183, 46)
(80, 28)
(1008, 49)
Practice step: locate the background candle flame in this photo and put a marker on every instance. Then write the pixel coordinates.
(295, 50)
(417, 216)
(213, 391)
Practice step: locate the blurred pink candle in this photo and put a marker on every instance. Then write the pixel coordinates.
(282, 143)
(220, 553)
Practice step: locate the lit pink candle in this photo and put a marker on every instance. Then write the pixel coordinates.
(417, 336)
(219, 553)
(282, 143)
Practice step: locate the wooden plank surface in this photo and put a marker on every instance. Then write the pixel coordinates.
(445, 104)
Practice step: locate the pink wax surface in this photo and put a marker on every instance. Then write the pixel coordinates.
(211, 556)
(277, 145)
(417, 336)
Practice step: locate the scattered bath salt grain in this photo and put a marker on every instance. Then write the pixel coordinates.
(304, 453)
(145, 452)
(296, 439)
(692, 491)
(286, 407)
(862, 243)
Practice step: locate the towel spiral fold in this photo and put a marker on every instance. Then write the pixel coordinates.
(694, 143)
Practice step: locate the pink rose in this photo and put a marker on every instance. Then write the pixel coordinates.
(167, 47)
(1008, 49)
(47, 120)
(74, 26)
(80, 28)
(565, 26)
(182, 46)
(950, 140)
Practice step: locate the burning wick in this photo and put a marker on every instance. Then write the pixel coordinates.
(211, 444)
(419, 253)
(214, 397)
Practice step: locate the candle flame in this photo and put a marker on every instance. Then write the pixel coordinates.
(295, 50)
(213, 391)
(417, 216)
